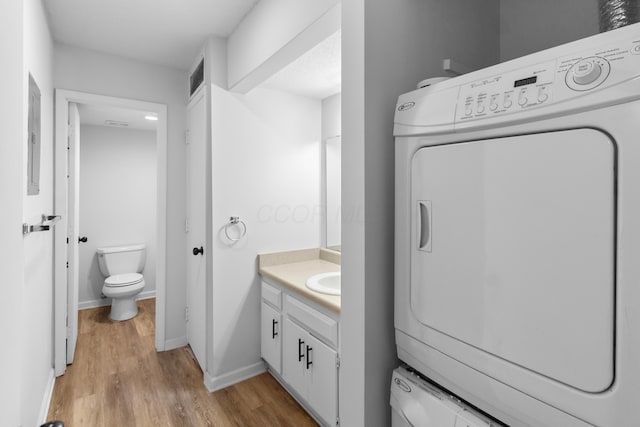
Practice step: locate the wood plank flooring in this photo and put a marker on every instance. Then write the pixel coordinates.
(119, 380)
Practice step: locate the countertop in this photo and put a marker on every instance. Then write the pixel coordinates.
(292, 269)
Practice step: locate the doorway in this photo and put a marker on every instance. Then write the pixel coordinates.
(66, 167)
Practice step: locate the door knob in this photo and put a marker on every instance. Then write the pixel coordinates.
(199, 250)
(82, 239)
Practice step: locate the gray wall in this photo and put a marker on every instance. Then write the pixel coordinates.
(529, 26)
(387, 48)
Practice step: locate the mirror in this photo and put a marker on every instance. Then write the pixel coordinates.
(333, 182)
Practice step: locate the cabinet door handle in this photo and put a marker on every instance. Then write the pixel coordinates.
(309, 362)
(300, 353)
(274, 323)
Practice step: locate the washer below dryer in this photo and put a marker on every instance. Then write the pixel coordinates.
(417, 403)
(518, 234)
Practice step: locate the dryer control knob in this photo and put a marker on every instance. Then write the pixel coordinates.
(586, 71)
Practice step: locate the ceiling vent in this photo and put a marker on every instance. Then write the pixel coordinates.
(116, 123)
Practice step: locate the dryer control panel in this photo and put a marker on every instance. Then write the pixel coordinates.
(508, 92)
(549, 82)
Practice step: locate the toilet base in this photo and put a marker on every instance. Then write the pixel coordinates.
(123, 309)
(123, 300)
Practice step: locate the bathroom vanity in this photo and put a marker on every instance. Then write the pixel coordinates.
(300, 329)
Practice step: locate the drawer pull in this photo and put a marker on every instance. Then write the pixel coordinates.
(309, 362)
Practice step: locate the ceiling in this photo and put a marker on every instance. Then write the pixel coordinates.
(97, 116)
(172, 32)
(316, 74)
(164, 32)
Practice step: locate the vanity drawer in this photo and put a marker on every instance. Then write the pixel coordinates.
(320, 325)
(272, 295)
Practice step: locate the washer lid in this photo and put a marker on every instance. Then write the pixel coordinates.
(123, 279)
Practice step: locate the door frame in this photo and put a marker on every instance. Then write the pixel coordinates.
(60, 312)
(73, 205)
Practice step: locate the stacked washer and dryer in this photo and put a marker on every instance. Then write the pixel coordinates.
(518, 242)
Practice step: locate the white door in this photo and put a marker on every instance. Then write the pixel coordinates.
(73, 214)
(322, 377)
(271, 337)
(196, 226)
(513, 250)
(294, 356)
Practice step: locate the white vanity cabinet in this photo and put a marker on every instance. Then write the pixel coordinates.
(306, 359)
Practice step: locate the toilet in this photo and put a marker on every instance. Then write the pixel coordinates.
(122, 265)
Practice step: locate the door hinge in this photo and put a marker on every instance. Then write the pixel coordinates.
(186, 225)
(187, 137)
(67, 240)
(67, 264)
(337, 361)
(337, 421)
(186, 314)
(68, 332)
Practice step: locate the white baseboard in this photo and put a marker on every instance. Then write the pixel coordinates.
(175, 343)
(233, 377)
(46, 398)
(102, 302)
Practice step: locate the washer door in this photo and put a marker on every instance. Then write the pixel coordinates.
(513, 248)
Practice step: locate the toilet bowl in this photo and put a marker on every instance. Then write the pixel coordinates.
(122, 265)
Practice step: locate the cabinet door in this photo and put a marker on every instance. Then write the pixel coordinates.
(294, 357)
(271, 337)
(322, 378)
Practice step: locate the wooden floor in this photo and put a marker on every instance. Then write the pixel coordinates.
(118, 380)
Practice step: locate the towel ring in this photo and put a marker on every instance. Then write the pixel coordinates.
(234, 220)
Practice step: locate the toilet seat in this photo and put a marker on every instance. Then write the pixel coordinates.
(127, 279)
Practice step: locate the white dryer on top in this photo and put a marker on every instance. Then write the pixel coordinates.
(518, 234)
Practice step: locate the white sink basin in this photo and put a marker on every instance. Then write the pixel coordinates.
(325, 283)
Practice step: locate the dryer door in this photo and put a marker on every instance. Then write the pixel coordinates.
(513, 250)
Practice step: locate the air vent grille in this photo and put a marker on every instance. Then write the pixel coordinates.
(197, 78)
(116, 123)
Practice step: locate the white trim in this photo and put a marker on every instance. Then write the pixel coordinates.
(102, 302)
(175, 343)
(62, 100)
(46, 398)
(233, 377)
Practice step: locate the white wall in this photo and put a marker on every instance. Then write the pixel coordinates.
(266, 170)
(12, 176)
(117, 201)
(92, 72)
(332, 116)
(331, 127)
(275, 33)
(387, 48)
(529, 26)
(333, 184)
(37, 290)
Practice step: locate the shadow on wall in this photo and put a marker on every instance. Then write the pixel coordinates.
(241, 320)
(95, 278)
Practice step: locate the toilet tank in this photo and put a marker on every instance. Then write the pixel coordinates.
(122, 259)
